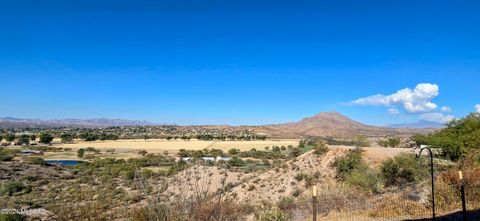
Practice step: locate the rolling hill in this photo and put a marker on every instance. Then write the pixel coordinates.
(336, 125)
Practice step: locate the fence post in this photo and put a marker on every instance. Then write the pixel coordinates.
(462, 191)
(314, 202)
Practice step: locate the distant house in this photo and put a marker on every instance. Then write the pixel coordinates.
(208, 159)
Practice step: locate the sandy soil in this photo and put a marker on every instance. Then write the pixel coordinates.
(377, 154)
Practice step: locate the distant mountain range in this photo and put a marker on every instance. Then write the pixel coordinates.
(338, 125)
(418, 124)
(10, 122)
(322, 124)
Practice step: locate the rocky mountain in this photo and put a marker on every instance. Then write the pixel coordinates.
(336, 125)
(418, 124)
(10, 122)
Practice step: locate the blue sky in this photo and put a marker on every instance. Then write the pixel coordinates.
(237, 62)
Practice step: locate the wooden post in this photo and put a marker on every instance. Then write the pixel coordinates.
(462, 191)
(314, 202)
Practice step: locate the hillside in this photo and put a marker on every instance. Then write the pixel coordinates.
(323, 124)
(336, 125)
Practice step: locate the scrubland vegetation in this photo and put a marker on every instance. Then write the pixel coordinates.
(269, 183)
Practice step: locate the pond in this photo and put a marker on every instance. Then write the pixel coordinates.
(64, 162)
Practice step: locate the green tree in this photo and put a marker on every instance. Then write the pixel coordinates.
(458, 138)
(80, 152)
(9, 137)
(33, 137)
(23, 139)
(66, 138)
(46, 138)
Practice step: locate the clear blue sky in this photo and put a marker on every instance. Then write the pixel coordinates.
(235, 62)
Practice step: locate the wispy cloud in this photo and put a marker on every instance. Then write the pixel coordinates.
(477, 108)
(446, 109)
(393, 111)
(417, 100)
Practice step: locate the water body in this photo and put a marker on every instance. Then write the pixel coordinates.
(64, 162)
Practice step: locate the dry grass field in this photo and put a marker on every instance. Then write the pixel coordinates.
(172, 146)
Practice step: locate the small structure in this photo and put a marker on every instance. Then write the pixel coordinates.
(208, 159)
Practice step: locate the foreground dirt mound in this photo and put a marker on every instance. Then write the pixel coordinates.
(290, 179)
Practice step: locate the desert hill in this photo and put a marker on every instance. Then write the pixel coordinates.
(336, 125)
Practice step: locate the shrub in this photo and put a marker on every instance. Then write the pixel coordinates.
(142, 152)
(80, 152)
(5, 157)
(300, 176)
(402, 169)
(364, 178)
(286, 203)
(236, 162)
(321, 149)
(251, 187)
(35, 160)
(271, 214)
(46, 138)
(347, 163)
(296, 193)
(11, 217)
(11, 187)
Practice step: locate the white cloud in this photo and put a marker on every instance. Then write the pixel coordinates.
(446, 109)
(393, 111)
(437, 117)
(418, 100)
(477, 108)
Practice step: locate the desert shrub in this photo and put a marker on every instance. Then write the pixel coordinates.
(236, 162)
(11, 217)
(402, 169)
(150, 212)
(296, 193)
(295, 152)
(142, 152)
(286, 203)
(80, 152)
(251, 187)
(36, 160)
(177, 167)
(349, 162)
(300, 176)
(4, 157)
(360, 141)
(271, 214)
(365, 179)
(233, 151)
(10, 188)
(321, 149)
